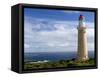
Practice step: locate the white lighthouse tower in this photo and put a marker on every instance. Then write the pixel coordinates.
(82, 54)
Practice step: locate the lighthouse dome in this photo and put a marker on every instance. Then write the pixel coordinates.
(81, 21)
(81, 17)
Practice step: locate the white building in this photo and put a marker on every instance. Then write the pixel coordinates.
(82, 54)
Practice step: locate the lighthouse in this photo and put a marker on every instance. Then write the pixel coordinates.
(82, 52)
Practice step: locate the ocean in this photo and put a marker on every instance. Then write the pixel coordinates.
(52, 56)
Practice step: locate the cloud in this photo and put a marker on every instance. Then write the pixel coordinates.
(54, 36)
(26, 45)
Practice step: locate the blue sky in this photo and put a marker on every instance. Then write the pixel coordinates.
(58, 15)
(55, 30)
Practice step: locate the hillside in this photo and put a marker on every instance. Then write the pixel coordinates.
(61, 63)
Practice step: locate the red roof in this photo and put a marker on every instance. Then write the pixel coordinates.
(81, 17)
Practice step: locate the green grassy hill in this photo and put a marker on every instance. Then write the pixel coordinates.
(61, 63)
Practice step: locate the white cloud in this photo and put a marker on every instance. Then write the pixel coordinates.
(26, 45)
(90, 32)
(60, 36)
(57, 44)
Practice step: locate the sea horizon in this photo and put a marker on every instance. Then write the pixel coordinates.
(52, 56)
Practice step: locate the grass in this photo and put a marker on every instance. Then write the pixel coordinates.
(61, 63)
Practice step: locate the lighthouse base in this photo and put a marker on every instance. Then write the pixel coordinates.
(82, 59)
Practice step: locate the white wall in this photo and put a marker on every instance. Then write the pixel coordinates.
(5, 38)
